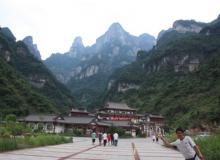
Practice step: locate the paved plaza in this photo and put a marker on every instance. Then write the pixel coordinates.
(82, 149)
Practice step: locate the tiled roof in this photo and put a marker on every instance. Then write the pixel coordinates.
(76, 120)
(40, 118)
(53, 118)
(114, 123)
(77, 110)
(156, 116)
(122, 106)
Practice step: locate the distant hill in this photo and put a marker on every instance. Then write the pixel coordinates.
(179, 78)
(85, 70)
(27, 86)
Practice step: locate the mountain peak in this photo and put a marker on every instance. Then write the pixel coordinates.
(115, 33)
(77, 46)
(28, 40)
(7, 32)
(78, 42)
(115, 27)
(116, 30)
(217, 20)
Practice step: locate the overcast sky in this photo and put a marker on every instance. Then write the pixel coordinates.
(55, 23)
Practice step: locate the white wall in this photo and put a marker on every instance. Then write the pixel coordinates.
(59, 128)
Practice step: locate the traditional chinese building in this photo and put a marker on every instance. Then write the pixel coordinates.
(112, 114)
(153, 124)
(59, 124)
(118, 111)
(79, 112)
(119, 115)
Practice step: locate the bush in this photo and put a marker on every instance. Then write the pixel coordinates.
(33, 141)
(140, 134)
(43, 139)
(10, 118)
(210, 146)
(7, 144)
(118, 130)
(77, 132)
(171, 136)
(4, 132)
(126, 135)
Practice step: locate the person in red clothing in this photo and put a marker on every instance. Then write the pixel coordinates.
(109, 138)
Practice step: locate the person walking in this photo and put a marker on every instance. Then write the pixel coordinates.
(115, 139)
(105, 138)
(157, 138)
(185, 145)
(153, 137)
(109, 138)
(93, 136)
(112, 139)
(100, 138)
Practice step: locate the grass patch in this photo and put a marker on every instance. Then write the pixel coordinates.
(7, 144)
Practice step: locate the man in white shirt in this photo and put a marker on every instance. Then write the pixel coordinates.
(104, 139)
(115, 135)
(185, 145)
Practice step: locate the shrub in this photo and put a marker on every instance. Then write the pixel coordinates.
(33, 141)
(77, 132)
(210, 146)
(126, 135)
(114, 129)
(10, 118)
(7, 144)
(14, 128)
(44, 139)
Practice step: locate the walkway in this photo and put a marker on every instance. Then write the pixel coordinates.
(82, 149)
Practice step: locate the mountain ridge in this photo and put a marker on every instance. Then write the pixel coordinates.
(93, 64)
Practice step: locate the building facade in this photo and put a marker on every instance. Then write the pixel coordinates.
(153, 124)
(112, 114)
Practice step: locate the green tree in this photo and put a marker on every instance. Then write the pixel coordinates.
(10, 118)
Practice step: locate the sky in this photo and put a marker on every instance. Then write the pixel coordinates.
(55, 23)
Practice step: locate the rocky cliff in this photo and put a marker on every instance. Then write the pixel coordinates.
(183, 27)
(32, 47)
(77, 48)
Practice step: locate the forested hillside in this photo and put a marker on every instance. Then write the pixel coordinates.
(27, 86)
(179, 78)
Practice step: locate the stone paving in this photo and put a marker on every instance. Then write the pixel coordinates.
(82, 149)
